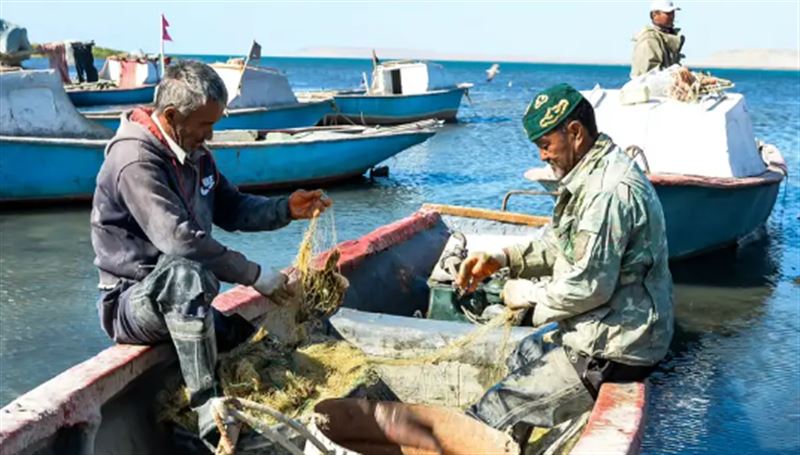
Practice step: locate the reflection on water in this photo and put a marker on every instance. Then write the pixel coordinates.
(731, 382)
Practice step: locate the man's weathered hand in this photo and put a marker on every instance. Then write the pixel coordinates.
(305, 204)
(475, 269)
(519, 294)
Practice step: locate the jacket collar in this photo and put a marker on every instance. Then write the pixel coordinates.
(575, 179)
(176, 149)
(147, 118)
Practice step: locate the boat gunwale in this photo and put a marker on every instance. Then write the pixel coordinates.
(402, 95)
(79, 392)
(393, 120)
(114, 114)
(489, 214)
(346, 131)
(771, 176)
(110, 90)
(55, 140)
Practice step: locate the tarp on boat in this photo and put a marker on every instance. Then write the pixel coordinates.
(13, 38)
(34, 103)
(712, 138)
(130, 71)
(409, 78)
(254, 86)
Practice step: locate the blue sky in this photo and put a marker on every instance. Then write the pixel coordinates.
(560, 30)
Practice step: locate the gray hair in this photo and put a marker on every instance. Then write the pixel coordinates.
(187, 85)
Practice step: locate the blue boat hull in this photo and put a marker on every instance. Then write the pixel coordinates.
(293, 116)
(393, 109)
(701, 218)
(45, 171)
(137, 95)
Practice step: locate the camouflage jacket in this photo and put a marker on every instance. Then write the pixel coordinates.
(656, 49)
(610, 287)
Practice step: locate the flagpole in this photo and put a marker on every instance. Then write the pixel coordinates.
(161, 33)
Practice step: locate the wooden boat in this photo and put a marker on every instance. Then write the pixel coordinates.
(402, 91)
(258, 99)
(124, 80)
(105, 404)
(40, 162)
(715, 191)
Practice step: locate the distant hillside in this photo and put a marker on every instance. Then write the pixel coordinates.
(740, 58)
(752, 58)
(97, 51)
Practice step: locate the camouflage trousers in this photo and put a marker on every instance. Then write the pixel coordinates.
(542, 389)
(547, 385)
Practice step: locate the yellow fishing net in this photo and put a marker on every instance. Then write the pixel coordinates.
(291, 380)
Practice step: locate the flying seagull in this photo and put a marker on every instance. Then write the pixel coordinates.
(492, 72)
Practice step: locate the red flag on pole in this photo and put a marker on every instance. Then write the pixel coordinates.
(164, 33)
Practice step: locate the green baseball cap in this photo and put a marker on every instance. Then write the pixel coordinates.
(549, 108)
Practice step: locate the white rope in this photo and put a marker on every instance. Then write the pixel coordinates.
(232, 407)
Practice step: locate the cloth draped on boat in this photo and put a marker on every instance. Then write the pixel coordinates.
(57, 56)
(84, 61)
(128, 75)
(130, 71)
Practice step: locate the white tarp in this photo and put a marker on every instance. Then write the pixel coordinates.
(415, 78)
(34, 103)
(712, 138)
(146, 72)
(255, 87)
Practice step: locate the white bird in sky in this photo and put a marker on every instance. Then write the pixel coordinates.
(492, 72)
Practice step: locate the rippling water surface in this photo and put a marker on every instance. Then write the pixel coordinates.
(731, 383)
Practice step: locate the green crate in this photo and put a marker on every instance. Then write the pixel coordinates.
(443, 304)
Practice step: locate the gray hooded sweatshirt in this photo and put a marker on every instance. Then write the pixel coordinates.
(147, 203)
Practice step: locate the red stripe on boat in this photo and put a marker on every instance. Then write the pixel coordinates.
(616, 424)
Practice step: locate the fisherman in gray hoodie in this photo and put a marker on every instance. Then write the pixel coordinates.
(158, 195)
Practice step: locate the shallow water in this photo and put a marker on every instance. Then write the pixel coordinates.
(731, 383)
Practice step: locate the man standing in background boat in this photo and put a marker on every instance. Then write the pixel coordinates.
(602, 275)
(158, 194)
(658, 45)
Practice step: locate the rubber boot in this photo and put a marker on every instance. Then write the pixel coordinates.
(197, 354)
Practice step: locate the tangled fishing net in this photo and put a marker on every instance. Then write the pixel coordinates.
(689, 87)
(321, 286)
(293, 378)
(286, 377)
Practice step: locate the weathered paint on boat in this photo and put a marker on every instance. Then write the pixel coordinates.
(260, 118)
(101, 405)
(366, 109)
(44, 169)
(103, 97)
(707, 213)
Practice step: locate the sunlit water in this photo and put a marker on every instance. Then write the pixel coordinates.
(731, 383)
